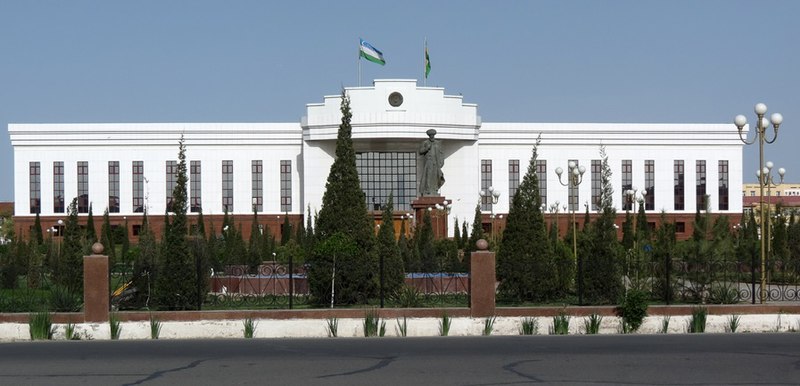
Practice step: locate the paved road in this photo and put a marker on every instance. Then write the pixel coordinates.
(708, 359)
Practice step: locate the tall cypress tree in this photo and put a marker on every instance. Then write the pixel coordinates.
(344, 213)
(107, 238)
(36, 233)
(389, 252)
(91, 233)
(602, 270)
(70, 271)
(525, 264)
(175, 288)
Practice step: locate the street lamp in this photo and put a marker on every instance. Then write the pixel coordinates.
(761, 132)
(574, 178)
(493, 195)
(770, 183)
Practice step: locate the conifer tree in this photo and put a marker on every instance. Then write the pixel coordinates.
(344, 213)
(477, 230)
(107, 238)
(286, 230)
(254, 249)
(388, 251)
(456, 233)
(525, 265)
(464, 237)
(663, 251)
(91, 233)
(344, 203)
(70, 271)
(602, 270)
(424, 244)
(175, 288)
(145, 265)
(36, 232)
(403, 246)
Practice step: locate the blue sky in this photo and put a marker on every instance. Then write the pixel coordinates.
(523, 61)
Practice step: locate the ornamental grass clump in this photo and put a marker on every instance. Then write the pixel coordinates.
(41, 326)
(697, 322)
(560, 324)
(733, 323)
(488, 326)
(402, 327)
(155, 327)
(115, 326)
(444, 325)
(529, 326)
(592, 324)
(332, 325)
(249, 328)
(373, 326)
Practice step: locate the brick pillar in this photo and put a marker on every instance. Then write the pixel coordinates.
(482, 281)
(95, 286)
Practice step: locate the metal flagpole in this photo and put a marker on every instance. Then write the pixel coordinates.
(359, 64)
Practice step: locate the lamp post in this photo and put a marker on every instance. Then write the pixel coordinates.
(634, 196)
(494, 195)
(574, 179)
(770, 183)
(761, 137)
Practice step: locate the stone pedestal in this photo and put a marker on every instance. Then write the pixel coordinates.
(482, 281)
(438, 217)
(95, 288)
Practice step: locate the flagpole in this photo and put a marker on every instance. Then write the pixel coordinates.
(359, 65)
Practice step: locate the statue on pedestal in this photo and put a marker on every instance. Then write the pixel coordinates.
(433, 160)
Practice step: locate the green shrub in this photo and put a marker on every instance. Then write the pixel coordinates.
(62, 299)
(408, 297)
(444, 325)
(402, 327)
(697, 323)
(70, 333)
(333, 327)
(41, 326)
(155, 327)
(373, 325)
(560, 324)
(488, 325)
(632, 309)
(592, 324)
(249, 328)
(115, 326)
(733, 323)
(665, 324)
(529, 326)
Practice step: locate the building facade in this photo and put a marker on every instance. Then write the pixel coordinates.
(280, 169)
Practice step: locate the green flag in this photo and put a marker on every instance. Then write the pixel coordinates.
(427, 63)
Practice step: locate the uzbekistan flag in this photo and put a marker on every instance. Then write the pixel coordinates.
(367, 51)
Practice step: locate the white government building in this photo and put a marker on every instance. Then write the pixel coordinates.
(281, 168)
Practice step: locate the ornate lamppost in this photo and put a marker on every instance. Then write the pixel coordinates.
(761, 137)
(494, 195)
(574, 179)
(770, 183)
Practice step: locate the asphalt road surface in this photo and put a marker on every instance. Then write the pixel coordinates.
(702, 359)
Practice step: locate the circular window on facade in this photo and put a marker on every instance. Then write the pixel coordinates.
(395, 99)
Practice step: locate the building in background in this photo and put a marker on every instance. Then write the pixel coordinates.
(280, 169)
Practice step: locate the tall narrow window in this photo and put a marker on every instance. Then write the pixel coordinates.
(573, 193)
(700, 181)
(286, 186)
(597, 179)
(513, 178)
(679, 185)
(486, 182)
(195, 187)
(58, 187)
(83, 187)
(723, 185)
(35, 187)
(113, 186)
(650, 184)
(257, 171)
(137, 186)
(172, 180)
(541, 175)
(227, 186)
(627, 183)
